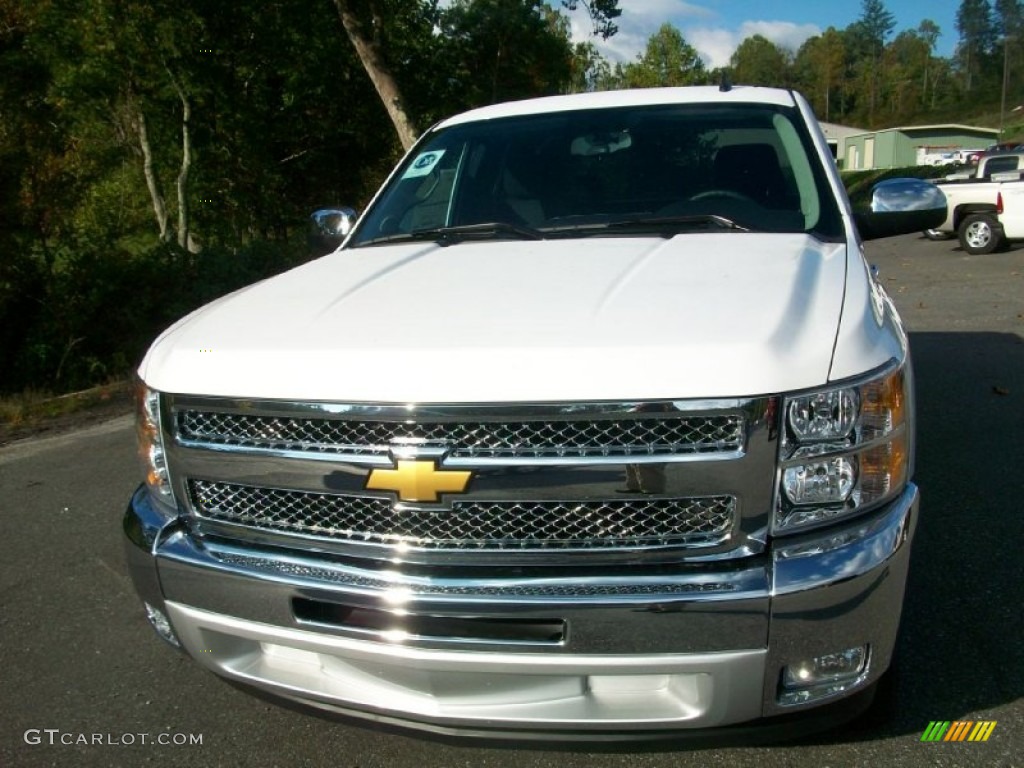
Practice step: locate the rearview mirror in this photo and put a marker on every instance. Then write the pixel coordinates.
(901, 206)
(328, 227)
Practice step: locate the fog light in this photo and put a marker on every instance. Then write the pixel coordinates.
(822, 676)
(159, 621)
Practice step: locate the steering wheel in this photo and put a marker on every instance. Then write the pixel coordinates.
(729, 194)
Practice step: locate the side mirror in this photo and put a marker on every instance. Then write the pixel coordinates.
(901, 206)
(328, 227)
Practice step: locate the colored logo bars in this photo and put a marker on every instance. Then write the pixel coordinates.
(958, 730)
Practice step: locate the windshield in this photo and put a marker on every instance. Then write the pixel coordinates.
(603, 172)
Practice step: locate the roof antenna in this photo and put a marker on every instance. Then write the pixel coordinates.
(726, 84)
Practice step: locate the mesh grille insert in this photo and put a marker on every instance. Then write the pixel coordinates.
(662, 436)
(470, 525)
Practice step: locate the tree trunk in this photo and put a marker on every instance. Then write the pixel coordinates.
(497, 68)
(871, 90)
(185, 239)
(380, 74)
(159, 206)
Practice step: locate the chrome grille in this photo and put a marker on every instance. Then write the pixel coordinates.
(657, 436)
(470, 525)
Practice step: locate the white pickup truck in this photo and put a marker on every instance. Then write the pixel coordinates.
(1010, 212)
(971, 202)
(596, 425)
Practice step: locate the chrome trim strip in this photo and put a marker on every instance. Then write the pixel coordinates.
(393, 587)
(146, 520)
(843, 552)
(145, 525)
(455, 412)
(383, 459)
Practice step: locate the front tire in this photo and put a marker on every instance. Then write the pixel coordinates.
(980, 233)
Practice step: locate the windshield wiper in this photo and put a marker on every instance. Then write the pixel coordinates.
(490, 230)
(666, 226)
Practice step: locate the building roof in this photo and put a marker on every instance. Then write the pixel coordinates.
(941, 126)
(837, 131)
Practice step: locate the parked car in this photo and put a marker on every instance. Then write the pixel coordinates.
(942, 158)
(972, 156)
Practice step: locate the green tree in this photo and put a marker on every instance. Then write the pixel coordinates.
(286, 119)
(758, 61)
(667, 60)
(603, 14)
(112, 68)
(870, 31)
(108, 106)
(977, 38)
(929, 32)
(877, 22)
(590, 71)
(499, 50)
(366, 23)
(820, 68)
(1010, 20)
(371, 28)
(1009, 16)
(905, 59)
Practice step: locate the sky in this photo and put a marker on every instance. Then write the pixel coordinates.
(716, 27)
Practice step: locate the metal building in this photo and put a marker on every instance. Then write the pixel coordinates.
(912, 145)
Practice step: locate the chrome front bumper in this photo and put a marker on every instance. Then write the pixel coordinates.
(678, 649)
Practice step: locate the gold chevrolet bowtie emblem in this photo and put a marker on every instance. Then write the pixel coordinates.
(418, 480)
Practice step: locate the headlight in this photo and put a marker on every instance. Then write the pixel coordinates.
(151, 445)
(823, 415)
(844, 450)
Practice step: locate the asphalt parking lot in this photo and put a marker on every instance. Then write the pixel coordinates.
(85, 682)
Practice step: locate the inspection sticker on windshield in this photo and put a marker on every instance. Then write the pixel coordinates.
(423, 164)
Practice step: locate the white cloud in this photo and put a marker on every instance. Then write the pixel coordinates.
(636, 24)
(658, 11)
(783, 33)
(716, 45)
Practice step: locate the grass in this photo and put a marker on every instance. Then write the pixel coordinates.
(34, 411)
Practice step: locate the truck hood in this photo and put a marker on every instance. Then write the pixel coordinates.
(725, 314)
